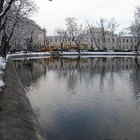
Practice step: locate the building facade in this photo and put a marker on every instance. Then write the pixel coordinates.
(86, 41)
(123, 42)
(127, 41)
(28, 33)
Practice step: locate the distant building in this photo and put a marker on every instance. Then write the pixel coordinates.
(86, 41)
(109, 40)
(39, 37)
(28, 33)
(127, 41)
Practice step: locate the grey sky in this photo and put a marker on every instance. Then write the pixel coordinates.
(52, 14)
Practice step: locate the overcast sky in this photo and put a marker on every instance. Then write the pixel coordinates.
(52, 15)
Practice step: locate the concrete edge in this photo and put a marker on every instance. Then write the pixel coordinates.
(17, 119)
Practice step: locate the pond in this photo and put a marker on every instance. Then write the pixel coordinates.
(84, 98)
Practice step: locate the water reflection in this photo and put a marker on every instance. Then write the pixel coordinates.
(84, 98)
(29, 70)
(135, 78)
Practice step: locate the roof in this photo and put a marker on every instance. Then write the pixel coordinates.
(126, 33)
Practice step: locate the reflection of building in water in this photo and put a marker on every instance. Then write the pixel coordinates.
(81, 69)
(85, 69)
(96, 64)
(30, 70)
(74, 69)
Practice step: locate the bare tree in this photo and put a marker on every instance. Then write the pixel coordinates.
(100, 32)
(18, 10)
(91, 29)
(5, 6)
(71, 24)
(28, 30)
(112, 27)
(75, 31)
(79, 37)
(62, 37)
(102, 26)
(135, 27)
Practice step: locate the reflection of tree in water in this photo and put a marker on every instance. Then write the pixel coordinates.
(71, 84)
(81, 68)
(28, 64)
(72, 78)
(74, 69)
(94, 63)
(102, 71)
(67, 68)
(29, 70)
(135, 78)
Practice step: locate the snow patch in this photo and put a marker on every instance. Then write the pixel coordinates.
(2, 67)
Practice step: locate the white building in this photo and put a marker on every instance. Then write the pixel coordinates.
(87, 41)
(127, 41)
(28, 31)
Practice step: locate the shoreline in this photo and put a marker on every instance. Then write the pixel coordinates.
(17, 119)
(36, 55)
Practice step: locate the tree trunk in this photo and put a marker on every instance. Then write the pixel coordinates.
(78, 46)
(137, 46)
(4, 46)
(61, 47)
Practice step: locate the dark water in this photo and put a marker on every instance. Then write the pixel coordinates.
(84, 98)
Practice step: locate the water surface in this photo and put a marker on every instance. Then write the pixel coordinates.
(84, 98)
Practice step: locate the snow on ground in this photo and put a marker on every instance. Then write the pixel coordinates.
(28, 53)
(99, 53)
(2, 67)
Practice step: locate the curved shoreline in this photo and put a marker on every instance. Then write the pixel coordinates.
(17, 120)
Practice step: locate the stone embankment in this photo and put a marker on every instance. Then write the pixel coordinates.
(17, 120)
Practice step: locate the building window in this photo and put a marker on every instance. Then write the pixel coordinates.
(113, 40)
(131, 40)
(127, 40)
(55, 39)
(108, 39)
(123, 40)
(69, 39)
(103, 40)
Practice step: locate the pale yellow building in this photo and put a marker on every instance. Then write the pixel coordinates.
(87, 41)
(126, 41)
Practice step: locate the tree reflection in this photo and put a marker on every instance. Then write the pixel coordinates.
(73, 77)
(29, 70)
(78, 69)
(135, 78)
(92, 114)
